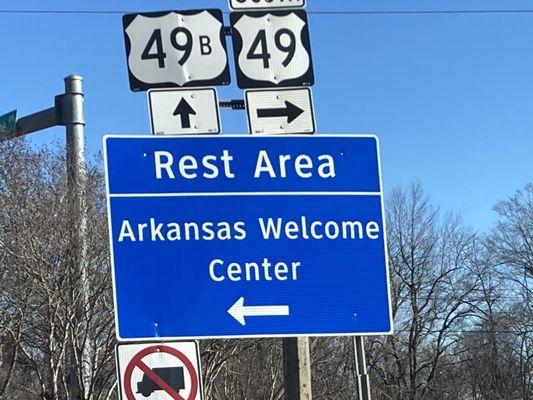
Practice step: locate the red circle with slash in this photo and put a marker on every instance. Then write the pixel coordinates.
(137, 362)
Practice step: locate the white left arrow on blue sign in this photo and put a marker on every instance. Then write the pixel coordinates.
(239, 311)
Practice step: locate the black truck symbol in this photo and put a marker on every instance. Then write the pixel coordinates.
(173, 376)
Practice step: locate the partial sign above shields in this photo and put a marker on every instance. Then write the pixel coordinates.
(265, 4)
(176, 48)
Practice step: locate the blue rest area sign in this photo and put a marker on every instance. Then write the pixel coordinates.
(242, 236)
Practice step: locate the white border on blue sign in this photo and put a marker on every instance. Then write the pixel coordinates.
(250, 137)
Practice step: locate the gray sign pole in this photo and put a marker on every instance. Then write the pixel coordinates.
(363, 382)
(73, 119)
(68, 111)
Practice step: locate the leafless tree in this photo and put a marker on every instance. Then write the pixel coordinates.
(43, 332)
(430, 258)
(461, 303)
(510, 326)
(245, 369)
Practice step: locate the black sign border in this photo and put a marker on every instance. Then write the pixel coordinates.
(306, 80)
(137, 85)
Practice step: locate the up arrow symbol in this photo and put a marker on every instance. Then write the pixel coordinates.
(239, 311)
(184, 110)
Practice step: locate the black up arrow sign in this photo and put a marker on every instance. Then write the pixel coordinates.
(290, 111)
(184, 110)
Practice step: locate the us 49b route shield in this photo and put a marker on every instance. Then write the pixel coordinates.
(176, 48)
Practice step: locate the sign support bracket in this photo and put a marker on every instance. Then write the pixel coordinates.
(233, 104)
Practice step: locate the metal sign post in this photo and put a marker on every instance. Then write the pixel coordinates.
(363, 381)
(68, 112)
(297, 368)
(73, 120)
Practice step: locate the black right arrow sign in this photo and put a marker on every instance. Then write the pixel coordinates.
(290, 111)
(184, 110)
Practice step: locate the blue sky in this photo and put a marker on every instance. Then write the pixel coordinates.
(450, 96)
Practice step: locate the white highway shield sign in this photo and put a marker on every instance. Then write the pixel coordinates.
(176, 48)
(272, 49)
(280, 111)
(159, 371)
(184, 111)
(262, 4)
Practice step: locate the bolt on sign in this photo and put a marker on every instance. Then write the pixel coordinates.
(176, 48)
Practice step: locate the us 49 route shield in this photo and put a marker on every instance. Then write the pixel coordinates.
(238, 236)
(272, 49)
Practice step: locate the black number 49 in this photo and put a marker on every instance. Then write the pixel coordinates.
(181, 39)
(259, 48)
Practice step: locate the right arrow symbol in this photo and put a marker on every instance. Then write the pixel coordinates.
(239, 311)
(290, 111)
(184, 110)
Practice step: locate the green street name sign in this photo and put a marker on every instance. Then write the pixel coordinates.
(8, 122)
